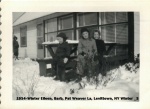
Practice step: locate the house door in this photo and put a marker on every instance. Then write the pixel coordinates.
(40, 39)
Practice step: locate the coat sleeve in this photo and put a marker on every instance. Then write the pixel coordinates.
(103, 46)
(17, 45)
(80, 48)
(94, 46)
(68, 51)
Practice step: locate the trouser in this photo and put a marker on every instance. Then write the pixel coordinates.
(59, 67)
(102, 65)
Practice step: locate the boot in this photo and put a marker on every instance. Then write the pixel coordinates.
(79, 78)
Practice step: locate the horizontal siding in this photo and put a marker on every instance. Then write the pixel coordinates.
(31, 43)
(31, 49)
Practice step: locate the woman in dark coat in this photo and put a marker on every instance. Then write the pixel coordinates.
(15, 47)
(101, 50)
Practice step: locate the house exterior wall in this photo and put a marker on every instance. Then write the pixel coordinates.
(136, 33)
(31, 49)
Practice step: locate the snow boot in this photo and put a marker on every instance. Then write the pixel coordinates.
(79, 78)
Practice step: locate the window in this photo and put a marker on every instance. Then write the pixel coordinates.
(69, 34)
(112, 25)
(23, 36)
(108, 17)
(39, 42)
(66, 22)
(122, 33)
(121, 17)
(114, 28)
(66, 25)
(85, 19)
(108, 33)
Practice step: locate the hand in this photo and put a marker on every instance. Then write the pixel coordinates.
(83, 54)
(65, 60)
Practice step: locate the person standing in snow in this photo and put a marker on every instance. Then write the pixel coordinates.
(86, 51)
(100, 49)
(61, 57)
(15, 47)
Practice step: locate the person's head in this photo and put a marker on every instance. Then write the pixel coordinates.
(97, 34)
(15, 38)
(61, 37)
(85, 33)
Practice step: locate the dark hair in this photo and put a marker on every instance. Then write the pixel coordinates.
(85, 30)
(62, 35)
(15, 38)
(97, 31)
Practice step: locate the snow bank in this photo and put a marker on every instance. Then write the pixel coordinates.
(27, 82)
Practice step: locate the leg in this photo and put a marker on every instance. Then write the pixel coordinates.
(61, 73)
(61, 69)
(55, 68)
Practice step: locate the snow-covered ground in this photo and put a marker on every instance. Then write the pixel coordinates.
(27, 83)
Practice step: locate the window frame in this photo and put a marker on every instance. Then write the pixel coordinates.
(22, 35)
(39, 46)
(77, 23)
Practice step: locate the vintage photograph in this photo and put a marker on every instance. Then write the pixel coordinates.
(76, 56)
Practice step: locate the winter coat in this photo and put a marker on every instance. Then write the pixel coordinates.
(86, 50)
(87, 46)
(63, 50)
(15, 47)
(100, 46)
(58, 65)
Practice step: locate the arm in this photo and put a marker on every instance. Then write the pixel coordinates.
(17, 45)
(80, 48)
(103, 47)
(94, 47)
(68, 51)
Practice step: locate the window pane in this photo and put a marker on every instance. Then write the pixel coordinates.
(87, 19)
(23, 41)
(51, 37)
(80, 16)
(108, 17)
(90, 18)
(69, 34)
(121, 17)
(122, 33)
(108, 33)
(40, 41)
(66, 22)
(52, 25)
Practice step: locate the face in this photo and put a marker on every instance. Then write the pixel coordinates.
(60, 39)
(85, 35)
(96, 35)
